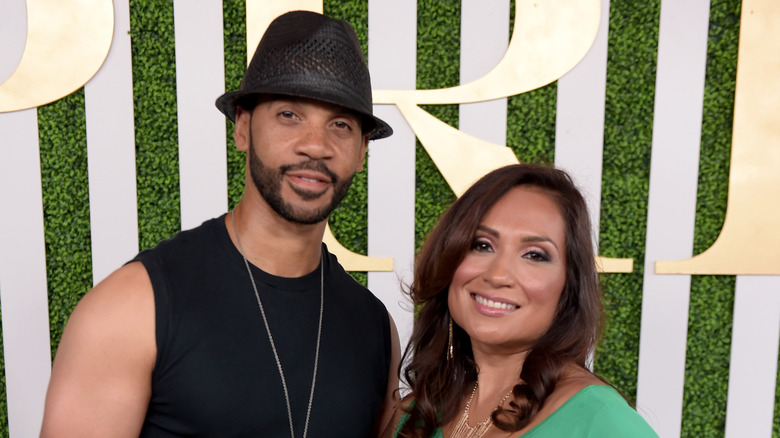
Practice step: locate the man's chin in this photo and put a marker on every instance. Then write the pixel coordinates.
(310, 195)
(304, 215)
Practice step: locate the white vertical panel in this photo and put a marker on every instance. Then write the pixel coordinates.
(113, 207)
(392, 48)
(13, 29)
(753, 366)
(200, 79)
(23, 291)
(682, 54)
(484, 37)
(579, 124)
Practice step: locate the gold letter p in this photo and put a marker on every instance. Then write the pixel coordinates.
(67, 42)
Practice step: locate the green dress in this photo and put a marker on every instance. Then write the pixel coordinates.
(596, 411)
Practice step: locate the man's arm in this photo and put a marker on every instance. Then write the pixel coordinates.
(101, 379)
(391, 399)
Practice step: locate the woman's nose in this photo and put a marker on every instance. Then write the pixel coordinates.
(499, 272)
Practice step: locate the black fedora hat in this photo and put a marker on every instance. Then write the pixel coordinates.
(306, 54)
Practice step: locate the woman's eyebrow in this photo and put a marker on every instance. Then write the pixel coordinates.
(539, 239)
(527, 239)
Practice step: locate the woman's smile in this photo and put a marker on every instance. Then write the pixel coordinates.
(493, 306)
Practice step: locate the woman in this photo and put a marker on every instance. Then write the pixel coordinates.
(509, 310)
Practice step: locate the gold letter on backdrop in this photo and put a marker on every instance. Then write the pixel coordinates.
(749, 242)
(548, 40)
(67, 42)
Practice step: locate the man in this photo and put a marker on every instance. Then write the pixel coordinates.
(247, 325)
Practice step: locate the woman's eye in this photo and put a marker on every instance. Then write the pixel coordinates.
(481, 246)
(538, 256)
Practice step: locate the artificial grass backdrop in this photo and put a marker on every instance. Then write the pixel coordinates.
(633, 37)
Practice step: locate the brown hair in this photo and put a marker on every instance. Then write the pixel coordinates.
(438, 384)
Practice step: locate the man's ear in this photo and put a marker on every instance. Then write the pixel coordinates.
(362, 157)
(241, 129)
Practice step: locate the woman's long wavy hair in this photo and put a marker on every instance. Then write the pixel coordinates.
(438, 384)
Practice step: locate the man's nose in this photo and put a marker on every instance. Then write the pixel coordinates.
(315, 144)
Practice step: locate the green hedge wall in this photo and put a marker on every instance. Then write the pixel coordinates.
(632, 50)
(712, 297)
(628, 128)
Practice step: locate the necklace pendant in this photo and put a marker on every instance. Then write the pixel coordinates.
(462, 428)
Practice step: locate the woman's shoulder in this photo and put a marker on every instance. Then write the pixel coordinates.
(598, 410)
(609, 414)
(575, 380)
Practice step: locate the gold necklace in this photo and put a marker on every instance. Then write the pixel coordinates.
(462, 428)
(271, 338)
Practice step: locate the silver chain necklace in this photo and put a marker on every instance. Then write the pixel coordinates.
(271, 338)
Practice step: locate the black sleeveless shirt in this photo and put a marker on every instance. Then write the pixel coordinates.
(215, 373)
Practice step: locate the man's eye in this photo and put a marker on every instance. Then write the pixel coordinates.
(287, 114)
(343, 125)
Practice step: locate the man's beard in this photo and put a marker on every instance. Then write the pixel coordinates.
(269, 183)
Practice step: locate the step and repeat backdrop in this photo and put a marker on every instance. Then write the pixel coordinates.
(666, 112)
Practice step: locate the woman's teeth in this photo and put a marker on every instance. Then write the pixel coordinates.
(493, 304)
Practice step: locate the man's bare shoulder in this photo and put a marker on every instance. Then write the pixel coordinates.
(104, 362)
(123, 303)
(120, 304)
(130, 282)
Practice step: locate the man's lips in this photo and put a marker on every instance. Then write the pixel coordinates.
(309, 176)
(314, 172)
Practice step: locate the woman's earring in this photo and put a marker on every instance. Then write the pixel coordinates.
(449, 342)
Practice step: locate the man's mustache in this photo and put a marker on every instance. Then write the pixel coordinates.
(315, 165)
